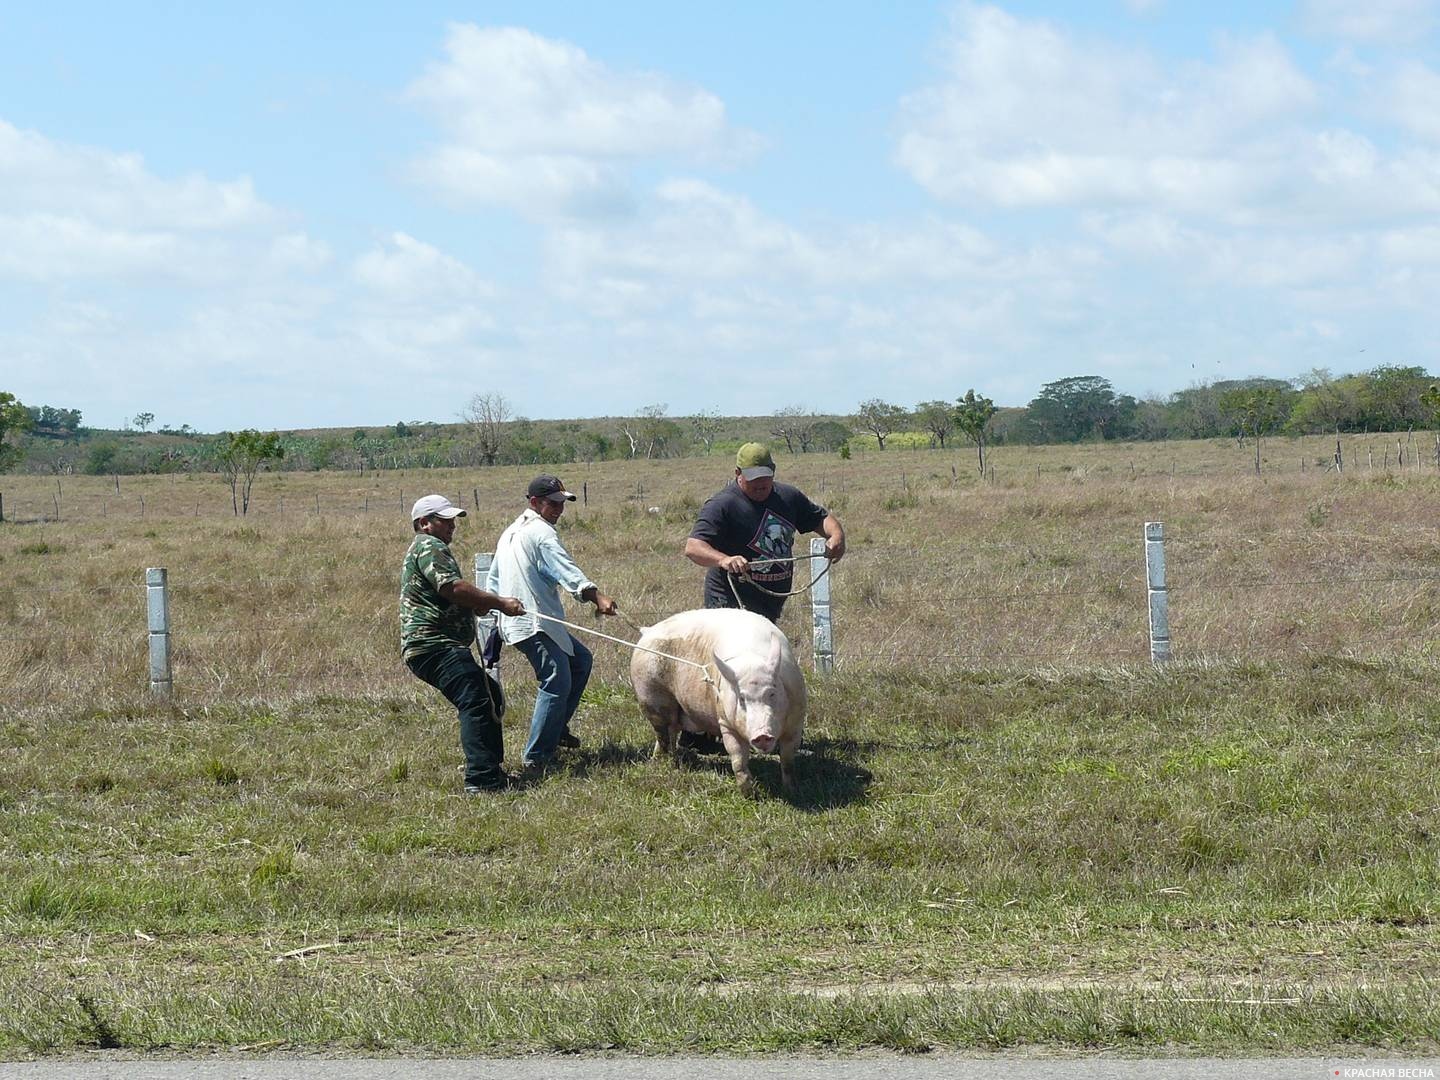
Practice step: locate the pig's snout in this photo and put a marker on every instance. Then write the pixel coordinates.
(764, 743)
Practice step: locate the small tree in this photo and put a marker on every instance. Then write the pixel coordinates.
(594, 445)
(656, 430)
(1391, 398)
(705, 426)
(14, 422)
(1257, 412)
(1194, 413)
(1326, 403)
(972, 416)
(144, 420)
(829, 435)
(487, 414)
(666, 438)
(879, 418)
(796, 425)
(782, 425)
(101, 458)
(630, 428)
(1431, 402)
(938, 418)
(650, 430)
(241, 455)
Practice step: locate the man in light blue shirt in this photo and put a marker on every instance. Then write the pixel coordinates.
(532, 565)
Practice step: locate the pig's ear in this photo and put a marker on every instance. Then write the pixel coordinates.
(772, 662)
(726, 671)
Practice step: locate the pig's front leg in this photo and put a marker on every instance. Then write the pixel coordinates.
(788, 746)
(739, 750)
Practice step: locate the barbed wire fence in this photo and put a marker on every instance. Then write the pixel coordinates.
(882, 623)
(182, 501)
(197, 494)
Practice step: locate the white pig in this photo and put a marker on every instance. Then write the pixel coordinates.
(754, 696)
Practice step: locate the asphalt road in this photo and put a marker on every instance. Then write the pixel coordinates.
(888, 1067)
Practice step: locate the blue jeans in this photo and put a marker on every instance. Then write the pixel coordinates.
(562, 681)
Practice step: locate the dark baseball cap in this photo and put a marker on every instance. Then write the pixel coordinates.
(549, 487)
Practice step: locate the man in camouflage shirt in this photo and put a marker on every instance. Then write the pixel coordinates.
(437, 628)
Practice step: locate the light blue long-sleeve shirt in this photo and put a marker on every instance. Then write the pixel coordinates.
(532, 565)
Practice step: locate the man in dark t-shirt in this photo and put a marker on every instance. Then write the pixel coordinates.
(749, 528)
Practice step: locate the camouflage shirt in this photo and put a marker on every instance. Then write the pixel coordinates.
(427, 620)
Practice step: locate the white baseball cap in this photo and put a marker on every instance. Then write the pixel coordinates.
(434, 506)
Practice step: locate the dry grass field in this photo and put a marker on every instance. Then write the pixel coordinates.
(1013, 831)
(1041, 568)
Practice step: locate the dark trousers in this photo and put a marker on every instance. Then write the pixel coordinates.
(465, 685)
(752, 600)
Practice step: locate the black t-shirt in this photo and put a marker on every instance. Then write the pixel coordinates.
(734, 523)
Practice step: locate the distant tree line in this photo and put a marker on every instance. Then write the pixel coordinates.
(490, 432)
(48, 422)
(1087, 407)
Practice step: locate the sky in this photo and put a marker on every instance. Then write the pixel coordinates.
(281, 215)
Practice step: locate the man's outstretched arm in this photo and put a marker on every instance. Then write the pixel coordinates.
(481, 600)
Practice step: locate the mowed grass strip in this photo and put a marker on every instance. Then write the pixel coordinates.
(434, 1010)
(1239, 856)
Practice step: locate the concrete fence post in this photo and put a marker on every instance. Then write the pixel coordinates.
(158, 605)
(487, 622)
(820, 609)
(1159, 596)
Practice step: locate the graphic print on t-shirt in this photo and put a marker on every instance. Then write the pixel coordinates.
(773, 538)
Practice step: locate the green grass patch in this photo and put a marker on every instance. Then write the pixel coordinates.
(1234, 857)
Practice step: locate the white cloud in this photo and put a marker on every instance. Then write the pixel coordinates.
(537, 185)
(406, 269)
(1396, 22)
(695, 234)
(138, 284)
(1026, 116)
(75, 212)
(1408, 247)
(51, 247)
(705, 279)
(1412, 100)
(300, 252)
(539, 125)
(1271, 260)
(421, 302)
(39, 174)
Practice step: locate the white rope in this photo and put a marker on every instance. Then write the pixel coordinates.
(704, 669)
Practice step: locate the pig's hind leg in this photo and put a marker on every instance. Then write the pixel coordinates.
(664, 717)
